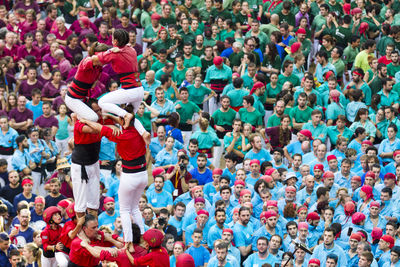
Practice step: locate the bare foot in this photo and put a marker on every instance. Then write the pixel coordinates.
(147, 137)
(127, 119)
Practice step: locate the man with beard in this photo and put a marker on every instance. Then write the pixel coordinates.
(190, 60)
(358, 83)
(159, 198)
(328, 182)
(55, 196)
(261, 256)
(257, 151)
(388, 96)
(47, 120)
(202, 224)
(290, 198)
(21, 160)
(301, 38)
(394, 66)
(14, 187)
(243, 231)
(376, 83)
(227, 236)
(118, 227)
(275, 119)
(270, 228)
(202, 173)
(193, 153)
(215, 231)
(233, 141)
(317, 129)
(21, 117)
(222, 257)
(332, 163)
(327, 247)
(22, 234)
(288, 75)
(301, 114)
(302, 237)
(354, 239)
(224, 117)
(110, 215)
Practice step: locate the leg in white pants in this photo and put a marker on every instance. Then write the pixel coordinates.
(80, 108)
(62, 146)
(212, 105)
(109, 103)
(131, 188)
(62, 259)
(48, 262)
(218, 150)
(36, 182)
(86, 195)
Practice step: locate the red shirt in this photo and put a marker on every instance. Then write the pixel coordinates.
(84, 138)
(122, 258)
(384, 60)
(84, 78)
(129, 139)
(124, 63)
(156, 258)
(50, 237)
(64, 238)
(81, 256)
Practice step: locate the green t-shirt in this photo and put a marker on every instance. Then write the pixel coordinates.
(392, 69)
(196, 95)
(343, 36)
(292, 78)
(188, 37)
(160, 44)
(193, 61)
(349, 54)
(178, 76)
(187, 110)
(145, 120)
(254, 117)
(272, 92)
(224, 118)
(273, 121)
(301, 116)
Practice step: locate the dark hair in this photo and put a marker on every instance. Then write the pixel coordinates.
(20, 139)
(121, 36)
(249, 99)
(89, 217)
(135, 233)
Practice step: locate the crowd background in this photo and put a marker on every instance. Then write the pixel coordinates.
(273, 123)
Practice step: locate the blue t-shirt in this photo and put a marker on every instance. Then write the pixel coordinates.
(159, 200)
(105, 219)
(200, 255)
(203, 178)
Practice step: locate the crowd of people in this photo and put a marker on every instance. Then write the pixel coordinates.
(199, 133)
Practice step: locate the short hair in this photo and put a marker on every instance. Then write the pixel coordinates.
(198, 231)
(180, 204)
(243, 208)
(88, 218)
(249, 99)
(202, 155)
(219, 210)
(225, 187)
(20, 139)
(321, 191)
(368, 256)
(290, 224)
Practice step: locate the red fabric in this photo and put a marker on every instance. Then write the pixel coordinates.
(86, 73)
(125, 61)
(156, 258)
(122, 258)
(50, 237)
(384, 60)
(64, 238)
(126, 141)
(81, 256)
(84, 138)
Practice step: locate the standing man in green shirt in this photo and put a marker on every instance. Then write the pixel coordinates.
(186, 110)
(248, 114)
(191, 61)
(275, 119)
(151, 32)
(393, 67)
(255, 32)
(319, 25)
(288, 75)
(300, 114)
(186, 34)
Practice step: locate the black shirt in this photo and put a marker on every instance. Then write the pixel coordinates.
(9, 193)
(51, 201)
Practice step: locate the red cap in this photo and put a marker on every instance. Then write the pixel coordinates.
(272, 203)
(85, 20)
(319, 167)
(313, 216)
(301, 208)
(155, 16)
(331, 157)
(355, 236)
(376, 233)
(389, 239)
(26, 181)
(245, 192)
(368, 191)
(397, 152)
(315, 261)
(375, 204)
(39, 200)
(267, 178)
(346, 8)
(82, 13)
(71, 210)
(256, 86)
(64, 203)
(218, 60)
(389, 175)
(157, 171)
(200, 212)
(235, 210)
(217, 171)
(227, 230)
(108, 199)
(349, 208)
(270, 213)
(197, 187)
(328, 174)
(290, 189)
(200, 199)
(301, 31)
(240, 182)
(153, 237)
(270, 171)
(370, 174)
(306, 133)
(328, 74)
(356, 178)
(254, 161)
(49, 212)
(303, 225)
(295, 47)
(356, 10)
(184, 260)
(357, 217)
(367, 142)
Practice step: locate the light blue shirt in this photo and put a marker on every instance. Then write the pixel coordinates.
(321, 129)
(165, 110)
(151, 88)
(386, 146)
(20, 160)
(8, 139)
(262, 156)
(159, 200)
(164, 158)
(320, 252)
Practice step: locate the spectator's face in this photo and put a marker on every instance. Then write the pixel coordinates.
(27, 188)
(394, 257)
(383, 245)
(148, 214)
(226, 236)
(202, 219)
(21, 102)
(225, 195)
(316, 119)
(39, 207)
(328, 238)
(199, 206)
(390, 230)
(24, 218)
(310, 182)
(262, 246)
(178, 250)
(394, 57)
(187, 50)
(330, 263)
(15, 260)
(91, 229)
(179, 211)
(13, 178)
(275, 242)
(201, 162)
(158, 183)
(221, 253)
(160, 95)
(244, 217)
(220, 217)
(4, 124)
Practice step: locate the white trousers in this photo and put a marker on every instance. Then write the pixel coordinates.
(86, 195)
(218, 151)
(62, 146)
(48, 262)
(38, 188)
(81, 109)
(131, 188)
(62, 259)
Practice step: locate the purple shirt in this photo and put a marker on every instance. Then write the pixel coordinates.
(50, 91)
(74, 52)
(44, 122)
(57, 103)
(26, 89)
(20, 116)
(129, 28)
(76, 27)
(50, 59)
(33, 5)
(138, 48)
(23, 52)
(298, 17)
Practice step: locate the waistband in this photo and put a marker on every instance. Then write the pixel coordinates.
(135, 165)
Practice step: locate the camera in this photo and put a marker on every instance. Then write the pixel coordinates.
(182, 166)
(161, 221)
(66, 170)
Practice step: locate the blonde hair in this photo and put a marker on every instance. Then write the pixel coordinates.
(203, 124)
(36, 252)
